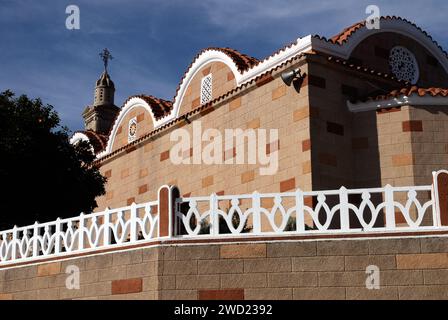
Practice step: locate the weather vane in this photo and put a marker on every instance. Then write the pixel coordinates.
(106, 56)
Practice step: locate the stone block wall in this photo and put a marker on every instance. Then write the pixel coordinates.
(344, 145)
(394, 147)
(429, 129)
(122, 275)
(410, 268)
(135, 175)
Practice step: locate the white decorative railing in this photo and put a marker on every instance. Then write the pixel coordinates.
(80, 234)
(375, 210)
(171, 217)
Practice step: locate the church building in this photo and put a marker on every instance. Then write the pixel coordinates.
(351, 204)
(364, 108)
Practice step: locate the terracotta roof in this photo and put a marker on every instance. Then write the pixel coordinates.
(209, 106)
(408, 91)
(345, 35)
(278, 51)
(159, 107)
(98, 141)
(242, 61)
(363, 69)
(347, 32)
(105, 80)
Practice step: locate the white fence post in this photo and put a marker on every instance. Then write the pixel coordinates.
(13, 242)
(175, 219)
(57, 236)
(174, 195)
(165, 211)
(106, 230)
(214, 218)
(300, 212)
(344, 211)
(36, 239)
(441, 197)
(133, 222)
(81, 232)
(435, 201)
(256, 205)
(390, 208)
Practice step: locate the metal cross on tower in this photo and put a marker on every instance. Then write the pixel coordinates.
(106, 56)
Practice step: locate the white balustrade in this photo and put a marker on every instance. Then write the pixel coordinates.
(374, 210)
(350, 211)
(110, 228)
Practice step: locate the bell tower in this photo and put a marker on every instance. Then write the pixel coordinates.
(99, 117)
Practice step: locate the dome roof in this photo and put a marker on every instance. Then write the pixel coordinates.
(105, 80)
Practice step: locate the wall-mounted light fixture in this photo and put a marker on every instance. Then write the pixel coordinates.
(294, 77)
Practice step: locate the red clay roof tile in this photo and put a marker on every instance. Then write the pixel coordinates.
(363, 69)
(408, 91)
(244, 62)
(159, 107)
(345, 35)
(97, 140)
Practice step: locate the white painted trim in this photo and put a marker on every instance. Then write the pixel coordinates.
(302, 45)
(173, 242)
(390, 25)
(79, 136)
(412, 100)
(203, 59)
(305, 44)
(132, 103)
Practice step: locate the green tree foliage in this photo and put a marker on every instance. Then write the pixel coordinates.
(43, 176)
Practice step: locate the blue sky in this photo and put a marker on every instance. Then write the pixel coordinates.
(153, 42)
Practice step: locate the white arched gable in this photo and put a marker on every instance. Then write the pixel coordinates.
(79, 136)
(394, 25)
(131, 104)
(204, 58)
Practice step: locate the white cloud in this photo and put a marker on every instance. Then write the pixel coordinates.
(327, 16)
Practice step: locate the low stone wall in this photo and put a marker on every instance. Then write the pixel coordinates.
(410, 268)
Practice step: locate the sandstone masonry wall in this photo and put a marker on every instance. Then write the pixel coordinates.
(410, 268)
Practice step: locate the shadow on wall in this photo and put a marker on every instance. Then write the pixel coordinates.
(345, 150)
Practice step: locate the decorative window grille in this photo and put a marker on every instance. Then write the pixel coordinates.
(404, 65)
(206, 89)
(132, 131)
